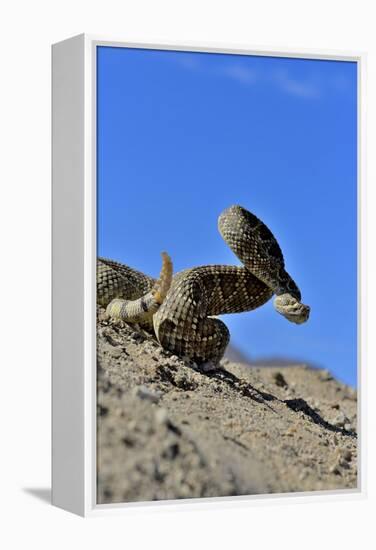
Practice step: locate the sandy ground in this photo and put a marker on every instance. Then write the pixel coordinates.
(166, 430)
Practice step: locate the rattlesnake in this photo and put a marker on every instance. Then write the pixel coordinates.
(181, 309)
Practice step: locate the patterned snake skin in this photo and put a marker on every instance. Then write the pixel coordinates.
(181, 308)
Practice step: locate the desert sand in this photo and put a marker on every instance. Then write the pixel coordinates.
(167, 430)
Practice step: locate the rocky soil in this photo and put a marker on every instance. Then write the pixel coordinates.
(167, 430)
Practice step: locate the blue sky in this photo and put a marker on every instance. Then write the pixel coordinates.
(183, 135)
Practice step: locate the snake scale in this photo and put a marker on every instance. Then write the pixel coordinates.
(181, 309)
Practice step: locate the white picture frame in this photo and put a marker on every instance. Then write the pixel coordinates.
(74, 268)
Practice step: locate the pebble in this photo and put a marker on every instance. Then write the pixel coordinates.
(136, 336)
(345, 454)
(334, 469)
(145, 393)
(115, 352)
(352, 393)
(279, 380)
(340, 420)
(161, 416)
(325, 376)
(344, 464)
(291, 431)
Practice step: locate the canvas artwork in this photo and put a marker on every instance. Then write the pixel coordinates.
(226, 274)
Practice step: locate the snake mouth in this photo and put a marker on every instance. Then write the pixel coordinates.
(298, 318)
(293, 310)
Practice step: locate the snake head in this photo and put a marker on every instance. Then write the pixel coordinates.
(291, 308)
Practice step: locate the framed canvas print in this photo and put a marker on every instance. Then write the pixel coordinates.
(206, 274)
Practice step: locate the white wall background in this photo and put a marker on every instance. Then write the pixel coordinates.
(26, 31)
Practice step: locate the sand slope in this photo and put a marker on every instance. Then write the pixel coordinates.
(168, 431)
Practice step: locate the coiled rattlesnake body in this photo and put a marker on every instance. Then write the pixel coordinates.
(181, 308)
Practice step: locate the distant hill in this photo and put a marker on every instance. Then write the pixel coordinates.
(235, 355)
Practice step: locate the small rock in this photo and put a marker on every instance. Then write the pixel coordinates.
(344, 464)
(161, 416)
(106, 333)
(279, 380)
(171, 452)
(102, 411)
(115, 352)
(325, 376)
(346, 454)
(334, 469)
(136, 336)
(128, 441)
(291, 431)
(103, 316)
(352, 393)
(145, 393)
(340, 420)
